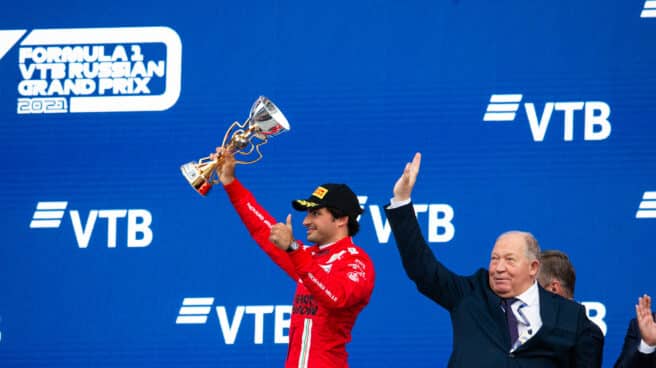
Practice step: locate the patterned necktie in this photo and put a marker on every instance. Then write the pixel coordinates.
(510, 318)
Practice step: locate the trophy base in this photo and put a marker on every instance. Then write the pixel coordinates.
(193, 175)
(204, 188)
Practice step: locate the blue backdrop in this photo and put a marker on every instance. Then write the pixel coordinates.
(532, 115)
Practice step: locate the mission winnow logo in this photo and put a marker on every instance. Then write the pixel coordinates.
(94, 69)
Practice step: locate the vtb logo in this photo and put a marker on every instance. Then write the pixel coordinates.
(596, 126)
(194, 311)
(139, 233)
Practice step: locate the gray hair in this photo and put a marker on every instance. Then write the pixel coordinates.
(532, 246)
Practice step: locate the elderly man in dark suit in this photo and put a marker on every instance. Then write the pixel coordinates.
(501, 317)
(639, 350)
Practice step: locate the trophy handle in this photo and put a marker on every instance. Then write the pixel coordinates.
(255, 147)
(228, 132)
(236, 128)
(207, 166)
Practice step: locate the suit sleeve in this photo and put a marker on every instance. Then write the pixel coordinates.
(590, 343)
(630, 356)
(349, 282)
(258, 222)
(431, 277)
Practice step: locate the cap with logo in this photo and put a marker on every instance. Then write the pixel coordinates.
(338, 196)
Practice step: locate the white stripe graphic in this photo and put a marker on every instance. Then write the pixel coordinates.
(649, 195)
(647, 205)
(499, 116)
(502, 107)
(645, 214)
(194, 310)
(51, 205)
(198, 301)
(48, 215)
(506, 98)
(651, 13)
(647, 208)
(8, 39)
(509, 107)
(188, 320)
(649, 10)
(304, 356)
(43, 224)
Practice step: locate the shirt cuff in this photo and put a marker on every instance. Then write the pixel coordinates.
(396, 204)
(644, 348)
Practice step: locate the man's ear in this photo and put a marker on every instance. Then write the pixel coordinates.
(534, 268)
(342, 221)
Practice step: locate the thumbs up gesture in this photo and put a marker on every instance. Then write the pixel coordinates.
(281, 234)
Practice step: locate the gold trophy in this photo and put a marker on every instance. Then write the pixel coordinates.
(265, 120)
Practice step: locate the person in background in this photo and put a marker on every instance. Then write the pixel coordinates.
(557, 275)
(639, 349)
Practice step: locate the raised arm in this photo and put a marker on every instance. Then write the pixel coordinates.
(257, 220)
(431, 277)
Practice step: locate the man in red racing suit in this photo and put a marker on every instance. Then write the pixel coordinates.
(334, 278)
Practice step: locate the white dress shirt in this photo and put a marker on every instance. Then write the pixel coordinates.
(527, 312)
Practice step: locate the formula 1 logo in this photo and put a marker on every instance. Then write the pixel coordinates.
(49, 215)
(96, 69)
(596, 126)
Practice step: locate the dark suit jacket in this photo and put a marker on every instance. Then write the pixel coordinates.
(631, 357)
(567, 338)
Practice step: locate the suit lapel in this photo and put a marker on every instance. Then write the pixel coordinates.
(496, 328)
(548, 314)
